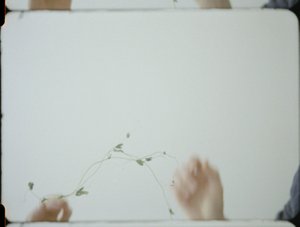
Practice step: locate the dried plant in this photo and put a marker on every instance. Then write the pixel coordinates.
(117, 152)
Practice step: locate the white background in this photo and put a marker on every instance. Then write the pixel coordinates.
(221, 84)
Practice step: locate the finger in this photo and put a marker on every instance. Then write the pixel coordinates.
(67, 212)
(180, 187)
(43, 214)
(56, 204)
(214, 179)
(60, 208)
(37, 214)
(198, 170)
(205, 164)
(194, 166)
(57, 209)
(189, 180)
(212, 171)
(177, 184)
(66, 215)
(187, 184)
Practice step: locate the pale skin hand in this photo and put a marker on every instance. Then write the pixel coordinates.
(199, 190)
(52, 210)
(50, 4)
(207, 4)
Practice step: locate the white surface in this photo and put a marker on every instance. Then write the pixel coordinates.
(121, 4)
(165, 224)
(222, 84)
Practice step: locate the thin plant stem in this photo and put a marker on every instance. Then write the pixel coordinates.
(112, 154)
(161, 188)
(174, 4)
(35, 195)
(100, 162)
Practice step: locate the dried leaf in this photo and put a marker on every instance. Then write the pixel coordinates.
(118, 150)
(140, 162)
(30, 185)
(81, 192)
(171, 211)
(119, 146)
(173, 183)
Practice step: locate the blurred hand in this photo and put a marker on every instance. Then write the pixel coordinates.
(51, 210)
(50, 4)
(207, 4)
(199, 191)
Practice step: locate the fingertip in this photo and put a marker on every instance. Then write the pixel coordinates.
(205, 164)
(181, 195)
(213, 170)
(195, 159)
(180, 186)
(194, 156)
(64, 203)
(65, 210)
(66, 215)
(37, 214)
(193, 166)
